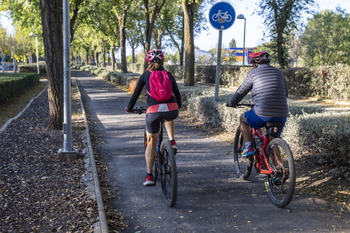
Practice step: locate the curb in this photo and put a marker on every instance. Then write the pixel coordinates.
(100, 206)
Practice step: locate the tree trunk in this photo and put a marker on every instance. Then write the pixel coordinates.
(87, 56)
(280, 50)
(113, 56)
(103, 53)
(122, 20)
(52, 21)
(96, 56)
(147, 44)
(181, 53)
(133, 55)
(188, 9)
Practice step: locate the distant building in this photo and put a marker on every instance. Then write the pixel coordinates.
(204, 57)
(238, 52)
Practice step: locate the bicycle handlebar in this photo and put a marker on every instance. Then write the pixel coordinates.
(139, 110)
(245, 105)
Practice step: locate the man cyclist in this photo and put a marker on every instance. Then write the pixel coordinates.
(269, 91)
(157, 111)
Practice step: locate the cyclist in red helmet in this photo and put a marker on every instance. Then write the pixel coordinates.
(269, 92)
(163, 101)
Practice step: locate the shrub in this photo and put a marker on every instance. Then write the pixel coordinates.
(32, 68)
(325, 132)
(12, 84)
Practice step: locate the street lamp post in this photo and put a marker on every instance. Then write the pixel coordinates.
(37, 53)
(242, 17)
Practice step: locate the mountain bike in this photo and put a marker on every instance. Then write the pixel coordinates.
(164, 163)
(272, 158)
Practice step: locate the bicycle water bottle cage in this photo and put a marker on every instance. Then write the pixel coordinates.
(273, 127)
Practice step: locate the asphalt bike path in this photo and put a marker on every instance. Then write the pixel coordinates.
(210, 196)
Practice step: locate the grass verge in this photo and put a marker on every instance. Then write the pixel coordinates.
(15, 105)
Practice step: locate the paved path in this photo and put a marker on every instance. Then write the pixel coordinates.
(210, 197)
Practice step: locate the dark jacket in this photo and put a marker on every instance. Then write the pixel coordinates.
(269, 91)
(144, 81)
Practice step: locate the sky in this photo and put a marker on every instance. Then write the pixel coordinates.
(254, 24)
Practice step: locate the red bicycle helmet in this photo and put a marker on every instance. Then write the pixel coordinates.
(155, 55)
(260, 57)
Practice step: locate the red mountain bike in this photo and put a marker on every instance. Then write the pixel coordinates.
(164, 163)
(272, 158)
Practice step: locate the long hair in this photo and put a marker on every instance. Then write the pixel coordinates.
(155, 66)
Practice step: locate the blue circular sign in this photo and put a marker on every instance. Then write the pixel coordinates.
(222, 15)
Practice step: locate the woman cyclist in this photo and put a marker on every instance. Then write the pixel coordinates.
(269, 94)
(157, 110)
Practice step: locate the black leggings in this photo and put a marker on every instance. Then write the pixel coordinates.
(153, 120)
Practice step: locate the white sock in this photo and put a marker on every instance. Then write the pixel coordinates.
(247, 144)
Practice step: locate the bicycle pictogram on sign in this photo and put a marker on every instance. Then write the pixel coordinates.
(222, 17)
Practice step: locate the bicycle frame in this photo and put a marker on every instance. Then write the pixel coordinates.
(158, 156)
(260, 157)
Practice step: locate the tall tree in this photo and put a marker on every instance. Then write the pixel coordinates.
(281, 17)
(151, 11)
(120, 9)
(189, 10)
(192, 20)
(232, 43)
(52, 20)
(326, 38)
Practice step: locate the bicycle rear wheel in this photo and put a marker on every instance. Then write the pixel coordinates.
(243, 165)
(281, 183)
(168, 175)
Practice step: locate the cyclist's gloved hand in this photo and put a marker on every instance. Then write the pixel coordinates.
(229, 104)
(127, 110)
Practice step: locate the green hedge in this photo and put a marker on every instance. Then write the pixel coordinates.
(330, 82)
(32, 68)
(12, 84)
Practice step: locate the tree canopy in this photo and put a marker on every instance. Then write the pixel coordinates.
(281, 18)
(326, 38)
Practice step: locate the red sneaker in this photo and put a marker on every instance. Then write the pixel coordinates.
(148, 181)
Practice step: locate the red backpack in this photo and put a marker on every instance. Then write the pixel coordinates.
(160, 86)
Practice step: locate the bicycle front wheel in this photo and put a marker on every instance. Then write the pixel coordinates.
(281, 183)
(243, 165)
(169, 172)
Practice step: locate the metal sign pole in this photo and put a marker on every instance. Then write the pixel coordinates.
(218, 67)
(67, 124)
(221, 16)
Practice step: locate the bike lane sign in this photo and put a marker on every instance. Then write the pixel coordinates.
(222, 15)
